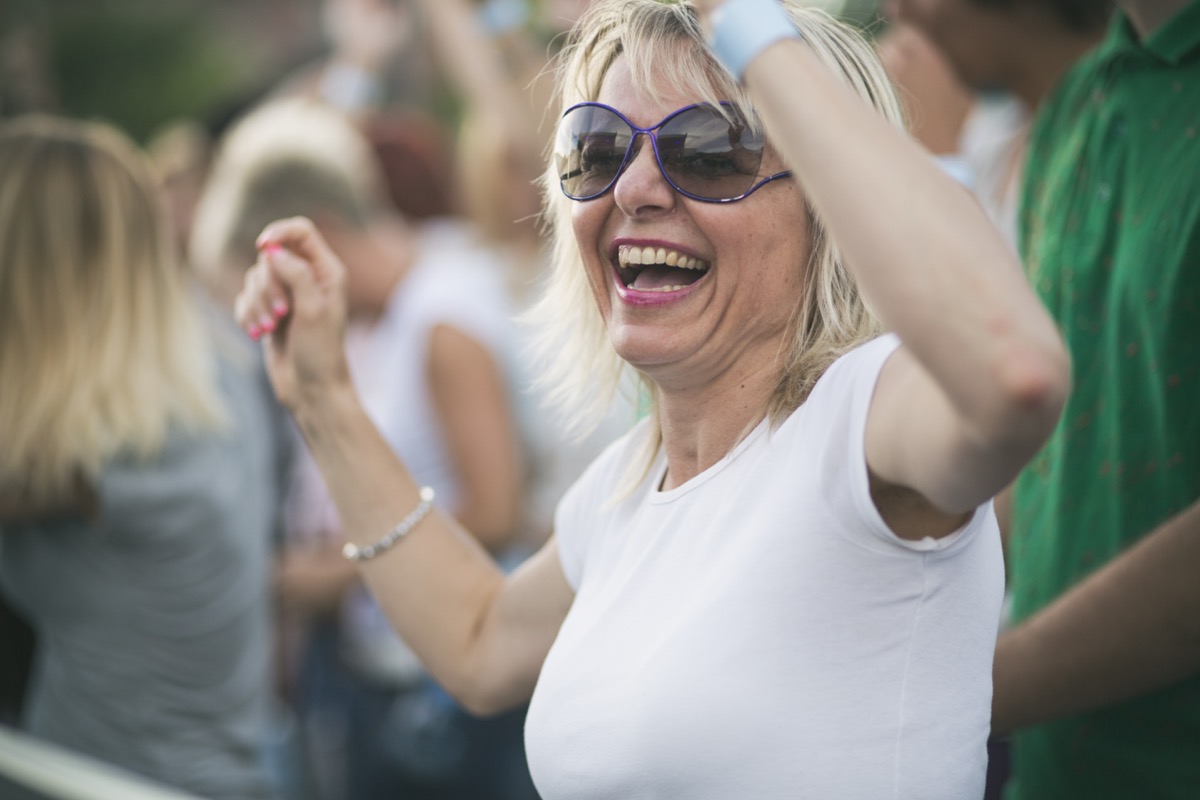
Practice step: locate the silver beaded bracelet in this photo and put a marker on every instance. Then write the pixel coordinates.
(353, 552)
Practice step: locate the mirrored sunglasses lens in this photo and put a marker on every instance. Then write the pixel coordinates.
(589, 150)
(708, 156)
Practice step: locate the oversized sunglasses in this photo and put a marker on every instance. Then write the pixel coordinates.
(703, 153)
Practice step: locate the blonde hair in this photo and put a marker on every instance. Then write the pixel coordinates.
(289, 157)
(665, 47)
(101, 349)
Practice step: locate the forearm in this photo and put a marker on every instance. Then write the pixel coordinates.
(437, 584)
(923, 252)
(475, 66)
(1129, 629)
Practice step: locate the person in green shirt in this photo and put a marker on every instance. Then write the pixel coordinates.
(1100, 676)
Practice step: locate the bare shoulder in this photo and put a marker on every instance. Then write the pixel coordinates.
(451, 349)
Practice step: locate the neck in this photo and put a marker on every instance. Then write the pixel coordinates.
(701, 425)
(1147, 16)
(1043, 62)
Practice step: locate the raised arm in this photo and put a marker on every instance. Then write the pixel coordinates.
(982, 374)
(481, 634)
(474, 62)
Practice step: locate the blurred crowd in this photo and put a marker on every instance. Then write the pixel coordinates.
(413, 138)
(414, 134)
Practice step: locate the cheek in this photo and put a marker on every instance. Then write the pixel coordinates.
(777, 248)
(587, 221)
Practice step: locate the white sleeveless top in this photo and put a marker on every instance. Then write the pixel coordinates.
(758, 632)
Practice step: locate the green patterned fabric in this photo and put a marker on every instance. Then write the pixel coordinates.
(1110, 235)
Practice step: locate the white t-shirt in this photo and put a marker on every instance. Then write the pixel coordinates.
(758, 632)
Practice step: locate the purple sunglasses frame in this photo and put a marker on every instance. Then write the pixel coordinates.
(652, 132)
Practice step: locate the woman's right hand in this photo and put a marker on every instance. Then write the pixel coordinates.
(294, 299)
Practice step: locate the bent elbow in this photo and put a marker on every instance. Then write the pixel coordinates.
(484, 685)
(1034, 386)
(1041, 384)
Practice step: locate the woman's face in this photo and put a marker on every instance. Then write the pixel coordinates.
(725, 315)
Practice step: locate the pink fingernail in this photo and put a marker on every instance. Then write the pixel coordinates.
(270, 248)
(267, 323)
(280, 308)
(255, 332)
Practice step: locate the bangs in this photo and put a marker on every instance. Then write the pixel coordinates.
(661, 57)
(665, 49)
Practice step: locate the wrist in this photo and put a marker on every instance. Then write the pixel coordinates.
(743, 29)
(321, 411)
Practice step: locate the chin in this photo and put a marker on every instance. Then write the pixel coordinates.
(643, 346)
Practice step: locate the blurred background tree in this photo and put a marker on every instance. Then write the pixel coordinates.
(142, 63)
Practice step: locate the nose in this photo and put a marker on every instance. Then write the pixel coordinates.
(642, 187)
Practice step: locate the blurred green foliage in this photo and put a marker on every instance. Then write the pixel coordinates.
(140, 64)
(134, 63)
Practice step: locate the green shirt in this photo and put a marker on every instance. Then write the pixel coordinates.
(1110, 234)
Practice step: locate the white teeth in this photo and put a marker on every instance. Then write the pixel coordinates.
(662, 289)
(628, 255)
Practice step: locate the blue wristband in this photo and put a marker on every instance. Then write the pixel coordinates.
(741, 29)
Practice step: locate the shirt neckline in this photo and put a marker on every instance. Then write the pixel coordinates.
(659, 471)
(1171, 42)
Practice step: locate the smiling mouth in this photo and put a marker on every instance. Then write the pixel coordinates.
(657, 269)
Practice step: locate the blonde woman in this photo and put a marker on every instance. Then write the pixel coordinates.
(786, 581)
(136, 473)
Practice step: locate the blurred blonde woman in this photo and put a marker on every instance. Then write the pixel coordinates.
(785, 581)
(137, 485)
